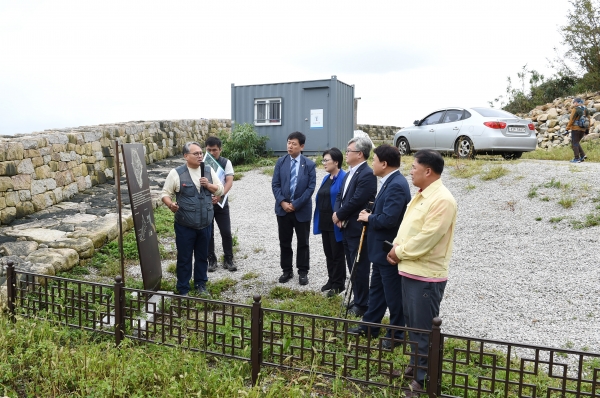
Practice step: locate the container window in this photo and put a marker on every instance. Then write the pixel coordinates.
(267, 112)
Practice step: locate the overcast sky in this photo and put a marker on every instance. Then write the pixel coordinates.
(72, 63)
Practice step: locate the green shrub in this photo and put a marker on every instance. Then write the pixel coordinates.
(243, 145)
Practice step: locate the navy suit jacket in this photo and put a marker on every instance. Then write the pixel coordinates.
(361, 191)
(387, 214)
(306, 181)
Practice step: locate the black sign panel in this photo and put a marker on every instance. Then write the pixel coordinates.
(143, 214)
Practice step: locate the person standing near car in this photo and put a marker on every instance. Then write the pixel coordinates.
(213, 146)
(293, 185)
(323, 224)
(577, 132)
(193, 216)
(358, 189)
(422, 250)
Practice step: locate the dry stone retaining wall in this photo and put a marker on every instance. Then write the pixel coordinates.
(41, 169)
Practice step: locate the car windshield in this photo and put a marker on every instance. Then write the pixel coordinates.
(487, 112)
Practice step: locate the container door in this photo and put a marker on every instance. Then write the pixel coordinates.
(316, 118)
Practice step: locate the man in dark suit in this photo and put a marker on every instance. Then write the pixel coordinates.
(358, 189)
(390, 204)
(293, 184)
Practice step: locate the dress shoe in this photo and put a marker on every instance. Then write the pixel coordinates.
(228, 264)
(350, 304)
(387, 344)
(408, 373)
(286, 277)
(334, 292)
(303, 279)
(326, 287)
(415, 390)
(201, 291)
(355, 311)
(212, 264)
(357, 330)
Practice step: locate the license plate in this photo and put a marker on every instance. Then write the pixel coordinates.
(516, 129)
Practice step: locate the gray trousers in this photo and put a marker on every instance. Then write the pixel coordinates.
(421, 303)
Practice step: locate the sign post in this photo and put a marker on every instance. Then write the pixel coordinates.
(143, 214)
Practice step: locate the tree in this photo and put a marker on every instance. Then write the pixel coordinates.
(582, 37)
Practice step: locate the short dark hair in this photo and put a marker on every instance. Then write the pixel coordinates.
(389, 154)
(296, 135)
(213, 141)
(336, 156)
(431, 159)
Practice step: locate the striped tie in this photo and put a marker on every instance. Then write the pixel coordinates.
(293, 174)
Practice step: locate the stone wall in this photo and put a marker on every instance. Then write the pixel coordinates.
(550, 120)
(379, 134)
(41, 169)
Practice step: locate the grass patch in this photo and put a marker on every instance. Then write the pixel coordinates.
(591, 220)
(470, 187)
(466, 168)
(268, 171)
(545, 199)
(566, 202)
(250, 275)
(172, 267)
(494, 172)
(532, 192)
(591, 149)
(553, 183)
(538, 219)
(556, 219)
(216, 287)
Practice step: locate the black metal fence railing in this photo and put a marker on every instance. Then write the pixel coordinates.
(456, 366)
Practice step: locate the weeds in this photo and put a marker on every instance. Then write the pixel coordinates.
(556, 219)
(494, 172)
(532, 192)
(250, 275)
(566, 202)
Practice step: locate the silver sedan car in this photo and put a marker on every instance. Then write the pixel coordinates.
(467, 131)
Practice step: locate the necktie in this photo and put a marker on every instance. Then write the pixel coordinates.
(293, 175)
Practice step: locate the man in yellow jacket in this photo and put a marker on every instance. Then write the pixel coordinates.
(577, 132)
(422, 250)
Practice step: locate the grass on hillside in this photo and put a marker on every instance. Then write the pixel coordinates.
(591, 149)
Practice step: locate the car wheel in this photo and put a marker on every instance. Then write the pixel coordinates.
(511, 155)
(464, 148)
(403, 146)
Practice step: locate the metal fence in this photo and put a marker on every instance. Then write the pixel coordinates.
(456, 366)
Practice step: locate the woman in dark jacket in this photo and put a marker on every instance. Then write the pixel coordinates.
(323, 224)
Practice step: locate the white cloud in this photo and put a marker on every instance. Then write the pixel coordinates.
(67, 63)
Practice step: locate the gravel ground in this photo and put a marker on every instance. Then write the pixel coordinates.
(514, 276)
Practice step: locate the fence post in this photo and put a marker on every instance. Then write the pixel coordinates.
(119, 310)
(434, 363)
(256, 336)
(11, 289)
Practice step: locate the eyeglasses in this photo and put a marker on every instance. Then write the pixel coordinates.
(195, 153)
(349, 150)
(324, 161)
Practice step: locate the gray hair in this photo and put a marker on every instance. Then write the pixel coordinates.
(186, 147)
(363, 144)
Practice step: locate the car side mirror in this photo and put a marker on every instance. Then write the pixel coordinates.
(416, 122)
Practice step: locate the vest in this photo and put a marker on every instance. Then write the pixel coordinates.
(195, 208)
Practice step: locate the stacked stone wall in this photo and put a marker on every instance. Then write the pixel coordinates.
(41, 169)
(379, 134)
(551, 119)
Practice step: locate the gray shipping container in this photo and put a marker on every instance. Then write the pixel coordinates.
(321, 109)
